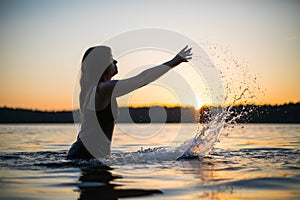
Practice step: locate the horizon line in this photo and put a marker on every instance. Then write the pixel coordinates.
(149, 106)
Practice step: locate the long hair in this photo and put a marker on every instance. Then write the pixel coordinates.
(94, 64)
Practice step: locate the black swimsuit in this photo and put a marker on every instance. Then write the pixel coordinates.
(106, 120)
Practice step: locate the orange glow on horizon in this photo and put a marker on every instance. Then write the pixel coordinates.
(68, 107)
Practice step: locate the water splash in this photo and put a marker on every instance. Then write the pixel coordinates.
(147, 156)
(209, 135)
(241, 87)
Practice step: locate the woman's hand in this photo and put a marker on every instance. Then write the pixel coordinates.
(183, 56)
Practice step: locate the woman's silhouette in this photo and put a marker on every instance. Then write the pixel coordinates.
(98, 95)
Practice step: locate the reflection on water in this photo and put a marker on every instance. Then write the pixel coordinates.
(252, 162)
(98, 182)
(88, 183)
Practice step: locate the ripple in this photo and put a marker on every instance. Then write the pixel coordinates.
(268, 183)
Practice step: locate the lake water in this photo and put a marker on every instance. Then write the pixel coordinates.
(251, 161)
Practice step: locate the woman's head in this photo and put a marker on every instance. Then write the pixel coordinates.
(97, 65)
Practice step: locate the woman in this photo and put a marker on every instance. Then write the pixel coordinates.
(98, 95)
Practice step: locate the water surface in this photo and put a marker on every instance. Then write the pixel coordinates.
(257, 161)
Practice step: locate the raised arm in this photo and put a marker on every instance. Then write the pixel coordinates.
(118, 88)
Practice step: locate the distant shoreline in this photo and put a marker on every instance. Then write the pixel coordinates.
(286, 113)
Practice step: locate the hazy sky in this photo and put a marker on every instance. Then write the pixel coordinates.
(42, 42)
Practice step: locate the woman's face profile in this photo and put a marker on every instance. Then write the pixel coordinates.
(113, 69)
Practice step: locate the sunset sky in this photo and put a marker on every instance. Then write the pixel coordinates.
(42, 43)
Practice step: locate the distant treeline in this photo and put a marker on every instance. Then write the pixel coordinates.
(287, 113)
(157, 114)
(126, 115)
(11, 115)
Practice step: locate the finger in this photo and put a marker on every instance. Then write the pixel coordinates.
(186, 60)
(188, 50)
(189, 54)
(184, 48)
